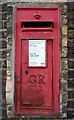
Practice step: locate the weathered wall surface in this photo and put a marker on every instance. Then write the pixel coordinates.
(7, 62)
(3, 58)
(70, 105)
(20, 1)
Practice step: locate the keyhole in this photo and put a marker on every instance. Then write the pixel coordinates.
(26, 72)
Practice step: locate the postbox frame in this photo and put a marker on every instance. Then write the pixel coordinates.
(56, 64)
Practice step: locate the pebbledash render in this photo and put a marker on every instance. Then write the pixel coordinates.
(7, 43)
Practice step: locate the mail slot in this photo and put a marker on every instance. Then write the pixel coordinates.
(36, 86)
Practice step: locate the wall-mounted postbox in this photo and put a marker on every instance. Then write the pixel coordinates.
(36, 61)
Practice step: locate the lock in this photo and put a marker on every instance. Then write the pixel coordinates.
(26, 72)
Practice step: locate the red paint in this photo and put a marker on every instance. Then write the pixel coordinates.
(37, 88)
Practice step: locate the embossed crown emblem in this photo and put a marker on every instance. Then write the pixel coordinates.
(37, 15)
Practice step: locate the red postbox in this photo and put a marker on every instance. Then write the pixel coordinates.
(36, 61)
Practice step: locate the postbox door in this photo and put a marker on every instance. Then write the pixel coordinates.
(36, 80)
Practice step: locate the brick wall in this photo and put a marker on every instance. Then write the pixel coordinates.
(0, 62)
(64, 60)
(3, 57)
(7, 63)
(70, 105)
